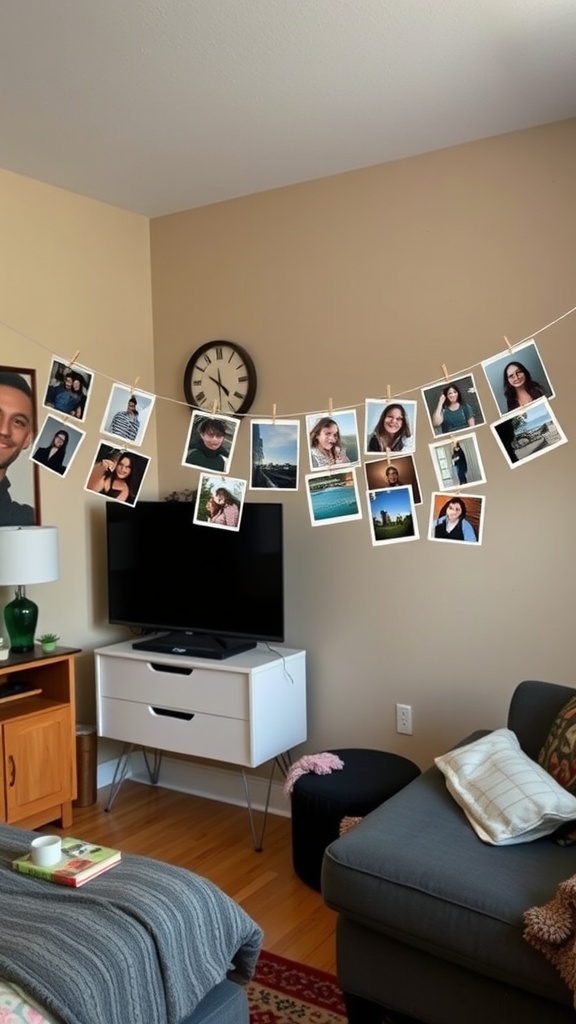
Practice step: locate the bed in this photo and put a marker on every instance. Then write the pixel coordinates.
(145, 942)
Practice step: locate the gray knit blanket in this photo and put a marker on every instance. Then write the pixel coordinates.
(144, 942)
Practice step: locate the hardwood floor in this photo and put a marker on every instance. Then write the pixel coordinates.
(214, 840)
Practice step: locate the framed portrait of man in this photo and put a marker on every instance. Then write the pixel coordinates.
(19, 477)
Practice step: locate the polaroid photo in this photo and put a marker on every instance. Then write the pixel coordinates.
(333, 440)
(390, 426)
(117, 473)
(219, 502)
(457, 462)
(528, 433)
(392, 515)
(517, 377)
(393, 472)
(453, 517)
(210, 442)
(127, 414)
(69, 388)
(56, 445)
(453, 406)
(274, 453)
(333, 497)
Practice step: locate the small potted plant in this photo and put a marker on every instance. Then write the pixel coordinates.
(48, 641)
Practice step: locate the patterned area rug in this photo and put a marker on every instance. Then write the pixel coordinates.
(285, 992)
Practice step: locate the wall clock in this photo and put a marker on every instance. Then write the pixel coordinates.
(220, 372)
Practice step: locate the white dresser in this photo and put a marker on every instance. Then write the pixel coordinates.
(244, 710)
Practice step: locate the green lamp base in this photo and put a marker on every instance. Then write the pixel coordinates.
(21, 617)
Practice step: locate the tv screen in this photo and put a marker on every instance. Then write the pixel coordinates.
(167, 573)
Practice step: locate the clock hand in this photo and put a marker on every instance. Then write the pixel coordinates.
(219, 383)
(224, 388)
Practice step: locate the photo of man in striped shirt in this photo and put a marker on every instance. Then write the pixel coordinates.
(126, 424)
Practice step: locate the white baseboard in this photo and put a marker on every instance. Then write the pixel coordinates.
(201, 780)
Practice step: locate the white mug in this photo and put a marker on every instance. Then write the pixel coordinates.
(46, 851)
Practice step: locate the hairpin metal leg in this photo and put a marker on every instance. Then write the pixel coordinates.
(257, 842)
(154, 772)
(121, 770)
(119, 773)
(284, 762)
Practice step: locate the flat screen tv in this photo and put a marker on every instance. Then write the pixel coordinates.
(216, 592)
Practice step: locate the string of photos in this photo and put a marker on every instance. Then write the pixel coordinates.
(342, 458)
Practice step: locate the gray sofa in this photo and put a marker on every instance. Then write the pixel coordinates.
(430, 919)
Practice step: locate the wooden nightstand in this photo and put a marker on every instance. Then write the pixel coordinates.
(37, 738)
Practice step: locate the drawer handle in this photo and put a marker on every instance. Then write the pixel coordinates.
(12, 764)
(180, 670)
(184, 716)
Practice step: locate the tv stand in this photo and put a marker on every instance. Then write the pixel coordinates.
(244, 711)
(195, 645)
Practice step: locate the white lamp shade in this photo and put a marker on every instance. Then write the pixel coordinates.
(28, 554)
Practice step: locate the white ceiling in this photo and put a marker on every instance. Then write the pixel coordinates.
(162, 105)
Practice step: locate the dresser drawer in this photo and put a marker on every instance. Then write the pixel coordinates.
(201, 735)
(203, 690)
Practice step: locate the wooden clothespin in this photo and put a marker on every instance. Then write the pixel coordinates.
(510, 349)
(445, 371)
(330, 408)
(214, 407)
(388, 393)
(274, 413)
(388, 457)
(135, 384)
(74, 357)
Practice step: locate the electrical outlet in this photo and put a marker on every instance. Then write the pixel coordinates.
(404, 719)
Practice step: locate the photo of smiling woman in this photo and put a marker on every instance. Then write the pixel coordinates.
(53, 455)
(517, 377)
(456, 519)
(57, 445)
(117, 474)
(390, 426)
(519, 388)
(454, 405)
(333, 439)
(325, 447)
(219, 501)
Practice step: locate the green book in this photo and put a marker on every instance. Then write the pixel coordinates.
(80, 862)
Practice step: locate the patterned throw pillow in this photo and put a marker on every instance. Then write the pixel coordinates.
(505, 795)
(558, 755)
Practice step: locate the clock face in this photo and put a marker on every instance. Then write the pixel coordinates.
(220, 376)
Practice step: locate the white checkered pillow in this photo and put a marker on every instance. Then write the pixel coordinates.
(505, 795)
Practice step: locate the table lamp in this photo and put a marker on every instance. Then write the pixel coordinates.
(28, 554)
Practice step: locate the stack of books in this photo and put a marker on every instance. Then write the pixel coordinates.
(79, 863)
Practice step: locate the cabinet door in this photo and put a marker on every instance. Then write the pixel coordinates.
(2, 797)
(37, 762)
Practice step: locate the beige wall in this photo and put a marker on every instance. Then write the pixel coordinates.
(75, 274)
(339, 288)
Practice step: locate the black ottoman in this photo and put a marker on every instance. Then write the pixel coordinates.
(319, 802)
